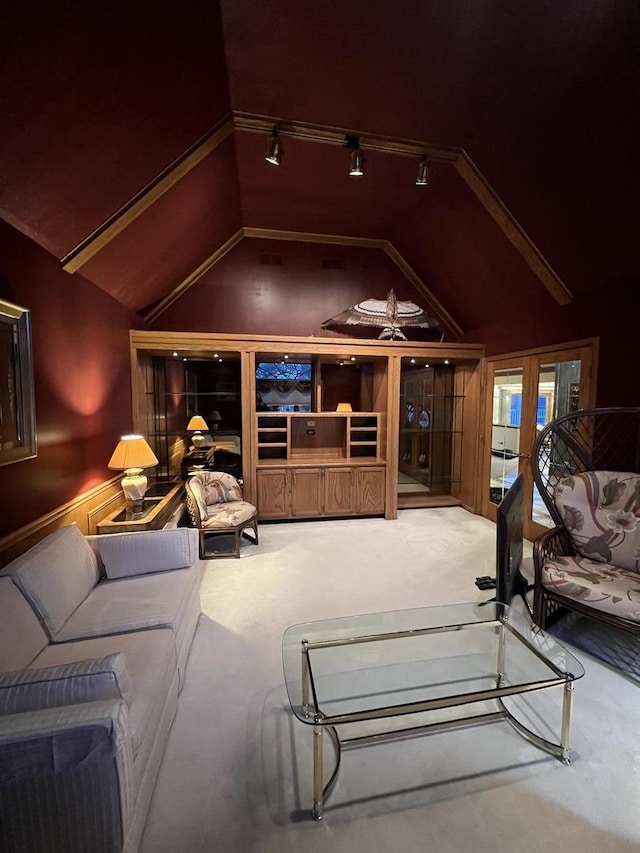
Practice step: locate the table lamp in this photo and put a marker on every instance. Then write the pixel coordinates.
(131, 455)
(344, 407)
(195, 425)
(216, 417)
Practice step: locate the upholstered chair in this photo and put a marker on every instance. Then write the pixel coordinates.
(215, 505)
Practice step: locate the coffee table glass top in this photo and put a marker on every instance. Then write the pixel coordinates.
(358, 666)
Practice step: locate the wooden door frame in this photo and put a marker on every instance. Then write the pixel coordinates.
(529, 360)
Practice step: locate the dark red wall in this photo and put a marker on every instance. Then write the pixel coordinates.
(608, 314)
(82, 384)
(247, 293)
(283, 288)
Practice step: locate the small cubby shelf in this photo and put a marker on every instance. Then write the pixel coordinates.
(322, 437)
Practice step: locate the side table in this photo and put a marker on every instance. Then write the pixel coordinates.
(161, 503)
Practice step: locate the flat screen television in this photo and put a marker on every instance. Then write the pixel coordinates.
(509, 536)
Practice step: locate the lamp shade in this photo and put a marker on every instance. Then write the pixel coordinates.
(215, 416)
(132, 451)
(344, 407)
(197, 422)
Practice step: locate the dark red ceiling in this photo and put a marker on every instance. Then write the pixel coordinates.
(97, 100)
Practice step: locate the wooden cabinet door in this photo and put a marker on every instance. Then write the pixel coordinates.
(306, 492)
(370, 490)
(274, 493)
(339, 491)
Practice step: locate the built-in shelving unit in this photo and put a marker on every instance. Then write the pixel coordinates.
(317, 436)
(323, 462)
(318, 464)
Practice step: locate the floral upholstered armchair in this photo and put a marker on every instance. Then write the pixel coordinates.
(216, 506)
(599, 565)
(586, 466)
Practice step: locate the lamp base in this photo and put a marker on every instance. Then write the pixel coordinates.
(134, 486)
(197, 439)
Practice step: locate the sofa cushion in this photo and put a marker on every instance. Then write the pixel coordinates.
(151, 664)
(56, 575)
(130, 604)
(127, 554)
(602, 587)
(601, 511)
(22, 636)
(54, 686)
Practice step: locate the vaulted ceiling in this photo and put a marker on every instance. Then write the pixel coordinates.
(134, 136)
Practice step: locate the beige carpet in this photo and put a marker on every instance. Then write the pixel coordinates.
(237, 770)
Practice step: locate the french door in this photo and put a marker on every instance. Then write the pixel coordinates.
(524, 392)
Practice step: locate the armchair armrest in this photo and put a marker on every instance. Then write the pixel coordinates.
(552, 543)
(67, 684)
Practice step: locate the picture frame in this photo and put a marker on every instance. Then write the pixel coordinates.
(17, 401)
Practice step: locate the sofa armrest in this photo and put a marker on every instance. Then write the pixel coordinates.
(56, 765)
(67, 684)
(131, 554)
(54, 740)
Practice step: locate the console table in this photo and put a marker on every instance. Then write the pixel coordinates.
(161, 503)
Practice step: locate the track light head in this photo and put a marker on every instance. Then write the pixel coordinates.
(275, 151)
(356, 168)
(423, 172)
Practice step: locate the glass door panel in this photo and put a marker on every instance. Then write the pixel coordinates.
(558, 394)
(505, 431)
(524, 393)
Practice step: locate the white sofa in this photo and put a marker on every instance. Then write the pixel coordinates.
(94, 638)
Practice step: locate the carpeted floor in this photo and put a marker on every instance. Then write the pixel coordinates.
(237, 769)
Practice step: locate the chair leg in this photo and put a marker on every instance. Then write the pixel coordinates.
(237, 534)
(254, 527)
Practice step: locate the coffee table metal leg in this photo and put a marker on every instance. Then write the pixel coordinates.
(318, 791)
(565, 737)
(305, 678)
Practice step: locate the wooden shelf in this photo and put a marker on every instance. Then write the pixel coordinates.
(318, 437)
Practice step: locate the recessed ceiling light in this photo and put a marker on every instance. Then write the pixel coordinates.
(413, 361)
(446, 361)
(175, 355)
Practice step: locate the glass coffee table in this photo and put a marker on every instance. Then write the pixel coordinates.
(375, 667)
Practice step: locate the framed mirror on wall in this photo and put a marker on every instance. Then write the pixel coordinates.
(17, 405)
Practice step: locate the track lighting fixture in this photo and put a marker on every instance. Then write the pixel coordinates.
(275, 151)
(356, 169)
(423, 172)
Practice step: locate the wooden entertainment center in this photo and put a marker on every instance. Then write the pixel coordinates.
(315, 464)
(321, 462)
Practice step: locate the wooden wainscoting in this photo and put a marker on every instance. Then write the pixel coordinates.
(86, 511)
